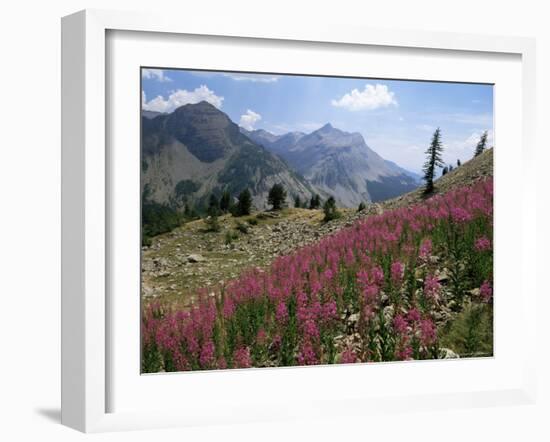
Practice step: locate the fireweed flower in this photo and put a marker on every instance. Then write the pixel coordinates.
(405, 354)
(397, 271)
(311, 330)
(281, 313)
(222, 364)
(432, 287)
(486, 291)
(413, 315)
(329, 310)
(427, 332)
(306, 355)
(400, 325)
(482, 244)
(316, 277)
(241, 358)
(207, 354)
(348, 357)
(425, 249)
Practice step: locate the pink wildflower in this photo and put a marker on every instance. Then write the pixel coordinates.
(413, 315)
(241, 358)
(329, 310)
(348, 357)
(425, 249)
(482, 244)
(207, 354)
(306, 355)
(400, 325)
(432, 287)
(405, 354)
(486, 291)
(397, 271)
(281, 313)
(427, 332)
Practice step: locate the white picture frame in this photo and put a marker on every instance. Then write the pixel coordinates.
(86, 317)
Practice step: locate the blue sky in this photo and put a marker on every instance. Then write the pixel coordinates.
(396, 117)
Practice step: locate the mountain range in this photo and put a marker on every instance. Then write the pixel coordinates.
(339, 163)
(197, 150)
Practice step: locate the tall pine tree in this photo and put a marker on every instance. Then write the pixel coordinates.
(482, 144)
(433, 160)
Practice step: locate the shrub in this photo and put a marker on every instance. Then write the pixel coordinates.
(241, 227)
(212, 223)
(361, 206)
(230, 236)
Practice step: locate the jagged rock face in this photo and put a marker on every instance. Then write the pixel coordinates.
(197, 150)
(339, 163)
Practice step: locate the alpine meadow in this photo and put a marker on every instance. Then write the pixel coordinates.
(292, 220)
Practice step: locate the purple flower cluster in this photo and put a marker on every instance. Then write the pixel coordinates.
(292, 312)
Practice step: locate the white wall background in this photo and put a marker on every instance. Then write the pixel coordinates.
(30, 215)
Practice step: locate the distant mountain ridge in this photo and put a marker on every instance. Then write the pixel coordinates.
(197, 151)
(339, 163)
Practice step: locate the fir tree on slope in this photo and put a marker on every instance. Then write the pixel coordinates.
(433, 160)
(482, 144)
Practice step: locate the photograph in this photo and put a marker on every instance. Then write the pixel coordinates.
(294, 220)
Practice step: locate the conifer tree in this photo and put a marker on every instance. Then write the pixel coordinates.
(482, 144)
(277, 196)
(331, 212)
(433, 160)
(244, 203)
(297, 201)
(225, 201)
(213, 206)
(315, 202)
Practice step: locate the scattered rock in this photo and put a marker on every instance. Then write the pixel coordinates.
(447, 353)
(196, 258)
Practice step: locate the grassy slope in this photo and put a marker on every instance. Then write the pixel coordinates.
(169, 276)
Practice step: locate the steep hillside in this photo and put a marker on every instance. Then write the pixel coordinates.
(339, 163)
(197, 150)
(169, 273)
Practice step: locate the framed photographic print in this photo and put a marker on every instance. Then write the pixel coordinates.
(267, 222)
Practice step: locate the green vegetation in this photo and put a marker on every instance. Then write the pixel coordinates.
(242, 227)
(433, 160)
(277, 196)
(481, 145)
(471, 333)
(156, 219)
(244, 204)
(225, 202)
(185, 187)
(331, 212)
(315, 202)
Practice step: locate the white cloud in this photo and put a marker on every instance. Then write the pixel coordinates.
(249, 119)
(370, 98)
(180, 97)
(155, 74)
(255, 78)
